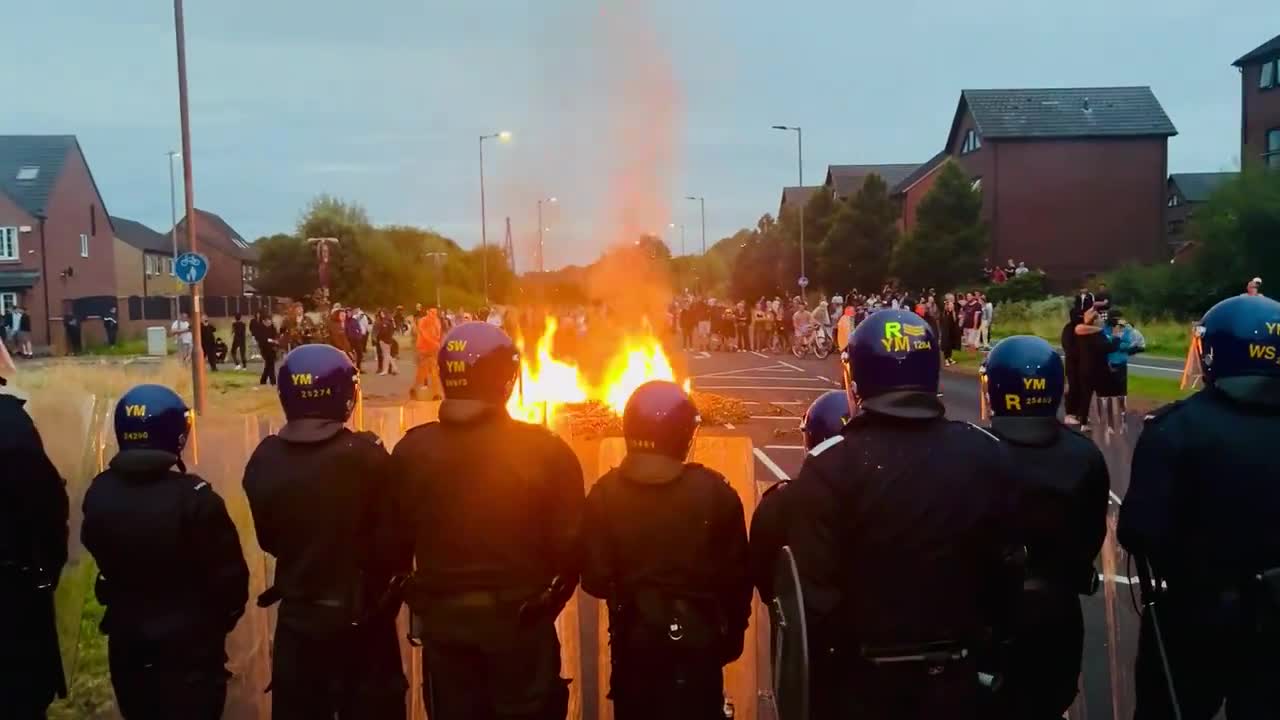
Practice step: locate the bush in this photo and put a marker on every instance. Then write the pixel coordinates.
(1027, 286)
(1171, 291)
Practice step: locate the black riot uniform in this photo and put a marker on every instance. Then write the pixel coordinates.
(666, 548)
(494, 510)
(322, 499)
(33, 549)
(171, 572)
(901, 528)
(1063, 489)
(1202, 509)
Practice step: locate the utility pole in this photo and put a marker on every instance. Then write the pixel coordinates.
(800, 161)
(484, 232)
(197, 349)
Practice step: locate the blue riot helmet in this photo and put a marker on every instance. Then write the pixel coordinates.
(317, 382)
(1025, 378)
(152, 417)
(825, 418)
(894, 363)
(1241, 338)
(478, 362)
(660, 419)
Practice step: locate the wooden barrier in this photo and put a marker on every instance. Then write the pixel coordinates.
(732, 457)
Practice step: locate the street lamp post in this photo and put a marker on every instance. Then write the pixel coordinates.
(197, 350)
(484, 231)
(673, 226)
(439, 258)
(702, 202)
(541, 267)
(800, 161)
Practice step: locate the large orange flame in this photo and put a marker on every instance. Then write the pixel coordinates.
(547, 382)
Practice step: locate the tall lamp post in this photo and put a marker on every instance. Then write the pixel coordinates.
(673, 226)
(484, 231)
(197, 349)
(702, 202)
(541, 228)
(800, 160)
(439, 258)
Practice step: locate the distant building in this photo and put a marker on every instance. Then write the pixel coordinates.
(1260, 105)
(1073, 179)
(912, 189)
(233, 261)
(144, 260)
(1186, 191)
(56, 239)
(846, 180)
(796, 197)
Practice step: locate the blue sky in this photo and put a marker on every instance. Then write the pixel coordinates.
(619, 109)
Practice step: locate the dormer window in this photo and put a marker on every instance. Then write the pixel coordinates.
(972, 142)
(28, 172)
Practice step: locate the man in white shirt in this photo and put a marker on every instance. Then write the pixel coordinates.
(984, 325)
(181, 329)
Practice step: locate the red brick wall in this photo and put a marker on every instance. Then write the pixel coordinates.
(980, 164)
(911, 200)
(224, 276)
(1074, 207)
(1260, 112)
(29, 259)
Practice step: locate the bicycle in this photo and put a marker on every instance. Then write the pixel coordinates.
(818, 341)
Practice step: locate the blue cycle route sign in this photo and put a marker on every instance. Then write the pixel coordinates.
(192, 267)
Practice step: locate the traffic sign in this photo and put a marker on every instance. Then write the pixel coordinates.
(804, 281)
(192, 267)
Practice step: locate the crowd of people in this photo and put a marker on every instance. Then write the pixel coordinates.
(1000, 274)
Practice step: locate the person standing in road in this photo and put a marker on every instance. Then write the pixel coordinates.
(985, 318)
(923, 505)
(666, 546)
(1076, 412)
(356, 337)
(949, 328)
(111, 324)
(386, 332)
(493, 507)
(267, 339)
(209, 342)
(428, 345)
(72, 324)
(322, 502)
(238, 356)
(171, 573)
(33, 551)
(1063, 493)
(181, 330)
(1199, 518)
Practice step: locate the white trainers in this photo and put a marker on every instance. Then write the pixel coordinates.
(1071, 420)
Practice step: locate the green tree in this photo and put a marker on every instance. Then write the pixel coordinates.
(949, 244)
(1236, 231)
(857, 248)
(767, 264)
(286, 266)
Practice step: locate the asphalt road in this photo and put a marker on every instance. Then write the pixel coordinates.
(779, 388)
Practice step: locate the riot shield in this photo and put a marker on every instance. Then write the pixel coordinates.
(790, 641)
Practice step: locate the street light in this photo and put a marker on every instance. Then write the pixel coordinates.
(800, 158)
(439, 258)
(703, 203)
(502, 136)
(184, 120)
(541, 268)
(673, 226)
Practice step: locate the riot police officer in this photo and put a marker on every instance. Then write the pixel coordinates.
(321, 497)
(900, 527)
(494, 510)
(666, 547)
(1062, 512)
(824, 419)
(1200, 516)
(171, 572)
(33, 549)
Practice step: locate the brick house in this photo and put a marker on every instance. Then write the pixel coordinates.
(56, 238)
(911, 190)
(1260, 105)
(846, 180)
(144, 260)
(796, 197)
(1073, 179)
(233, 261)
(1186, 191)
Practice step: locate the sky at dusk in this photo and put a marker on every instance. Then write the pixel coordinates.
(619, 109)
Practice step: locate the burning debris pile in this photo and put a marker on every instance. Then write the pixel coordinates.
(552, 390)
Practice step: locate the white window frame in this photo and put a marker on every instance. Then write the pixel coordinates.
(1174, 201)
(167, 265)
(8, 301)
(84, 245)
(9, 235)
(1267, 75)
(972, 142)
(1271, 148)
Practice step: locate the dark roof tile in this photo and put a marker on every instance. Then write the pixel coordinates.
(1262, 53)
(846, 180)
(47, 154)
(1068, 113)
(797, 196)
(141, 236)
(1197, 187)
(919, 173)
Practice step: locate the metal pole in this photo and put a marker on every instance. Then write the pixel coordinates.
(800, 162)
(484, 234)
(173, 229)
(703, 202)
(197, 350)
(540, 238)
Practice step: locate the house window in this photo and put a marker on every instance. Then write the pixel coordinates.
(150, 265)
(976, 185)
(93, 220)
(1269, 75)
(28, 172)
(84, 245)
(972, 141)
(168, 265)
(8, 301)
(240, 243)
(1272, 156)
(9, 243)
(248, 273)
(1174, 201)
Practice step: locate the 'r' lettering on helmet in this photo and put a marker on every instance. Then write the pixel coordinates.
(1033, 383)
(1012, 402)
(135, 411)
(893, 330)
(302, 378)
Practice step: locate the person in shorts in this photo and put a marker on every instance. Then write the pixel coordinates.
(181, 329)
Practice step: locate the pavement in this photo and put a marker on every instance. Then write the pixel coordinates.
(778, 389)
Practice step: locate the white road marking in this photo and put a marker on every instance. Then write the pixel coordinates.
(783, 447)
(759, 354)
(769, 463)
(772, 402)
(730, 373)
(793, 418)
(760, 387)
(793, 367)
(702, 356)
(729, 426)
(1154, 367)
